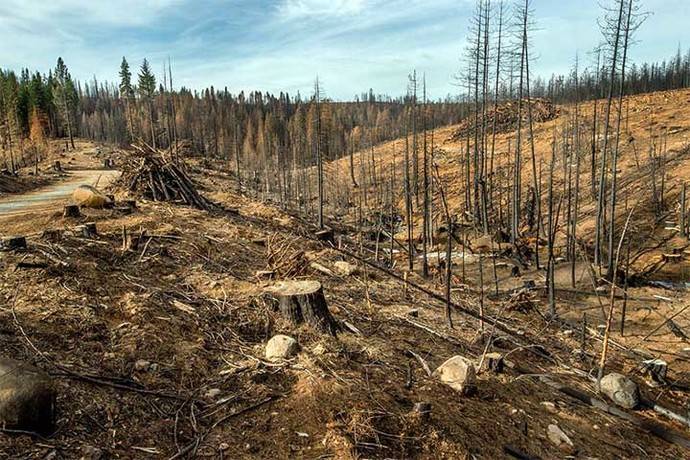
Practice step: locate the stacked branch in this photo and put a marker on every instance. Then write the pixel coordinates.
(151, 176)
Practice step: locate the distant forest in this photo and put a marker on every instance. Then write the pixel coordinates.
(255, 128)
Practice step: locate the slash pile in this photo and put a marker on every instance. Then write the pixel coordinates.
(150, 175)
(506, 116)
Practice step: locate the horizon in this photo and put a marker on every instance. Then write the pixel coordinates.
(283, 45)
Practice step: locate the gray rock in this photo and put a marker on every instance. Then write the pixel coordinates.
(281, 347)
(621, 390)
(141, 365)
(458, 373)
(558, 437)
(27, 397)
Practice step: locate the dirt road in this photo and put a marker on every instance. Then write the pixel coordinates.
(54, 196)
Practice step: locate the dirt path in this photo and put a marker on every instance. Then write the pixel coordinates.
(54, 196)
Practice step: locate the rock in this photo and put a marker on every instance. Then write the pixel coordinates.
(91, 453)
(27, 397)
(213, 393)
(559, 438)
(141, 365)
(458, 373)
(549, 406)
(90, 197)
(281, 347)
(621, 390)
(422, 411)
(345, 268)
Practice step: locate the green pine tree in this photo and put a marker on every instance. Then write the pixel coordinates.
(147, 91)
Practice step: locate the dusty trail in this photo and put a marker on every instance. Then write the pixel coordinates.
(54, 196)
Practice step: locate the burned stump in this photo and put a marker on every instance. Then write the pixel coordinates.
(326, 235)
(27, 398)
(87, 230)
(13, 243)
(304, 302)
(71, 210)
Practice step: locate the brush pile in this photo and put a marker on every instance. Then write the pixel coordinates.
(150, 175)
(506, 115)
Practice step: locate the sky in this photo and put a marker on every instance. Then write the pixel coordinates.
(282, 45)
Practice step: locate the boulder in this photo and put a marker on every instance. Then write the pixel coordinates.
(27, 397)
(343, 268)
(281, 347)
(90, 197)
(458, 373)
(621, 390)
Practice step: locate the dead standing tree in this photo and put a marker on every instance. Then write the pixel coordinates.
(612, 31)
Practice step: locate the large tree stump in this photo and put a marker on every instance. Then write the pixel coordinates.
(303, 301)
(27, 398)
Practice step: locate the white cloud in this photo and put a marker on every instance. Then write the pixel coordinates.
(292, 9)
(121, 12)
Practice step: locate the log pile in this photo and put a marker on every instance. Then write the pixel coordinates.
(507, 117)
(151, 176)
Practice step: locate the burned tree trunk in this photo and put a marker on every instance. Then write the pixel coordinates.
(304, 302)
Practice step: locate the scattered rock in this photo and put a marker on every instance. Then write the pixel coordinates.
(345, 268)
(549, 406)
(142, 365)
(27, 397)
(458, 373)
(213, 393)
(422, 411)
(281, 347)
(621, 390)
(559, 438)
(91, 453)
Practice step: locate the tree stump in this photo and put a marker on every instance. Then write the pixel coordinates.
(13, 243)
(326, 235)
(88, 230)
(57, 167)
(131, 204)
(304, 301)
(27, 398)
(53, 235)
(71, 210)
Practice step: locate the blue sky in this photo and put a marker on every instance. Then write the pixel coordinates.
(275, 45)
